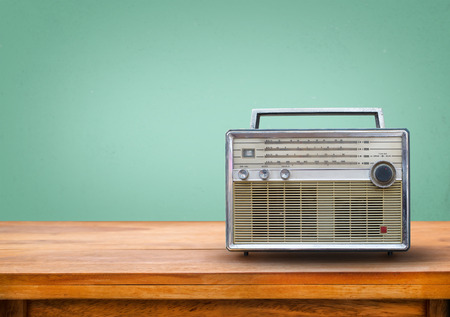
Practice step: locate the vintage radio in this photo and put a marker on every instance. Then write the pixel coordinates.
(317, 190)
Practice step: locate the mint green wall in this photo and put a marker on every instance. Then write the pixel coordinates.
(117, 110)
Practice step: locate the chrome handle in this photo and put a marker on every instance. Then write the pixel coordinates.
(258, 113)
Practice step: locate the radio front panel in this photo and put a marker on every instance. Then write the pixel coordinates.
(321, 189)
(314, 152)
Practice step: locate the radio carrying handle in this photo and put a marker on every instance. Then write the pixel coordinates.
(258, 113)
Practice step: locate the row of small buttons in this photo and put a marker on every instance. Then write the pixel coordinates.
(264, 174)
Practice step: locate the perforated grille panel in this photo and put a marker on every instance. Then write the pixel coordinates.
(316, 212)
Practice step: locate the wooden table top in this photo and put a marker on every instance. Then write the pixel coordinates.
(188, 260)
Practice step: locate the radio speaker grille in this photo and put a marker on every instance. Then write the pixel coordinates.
(316, 212)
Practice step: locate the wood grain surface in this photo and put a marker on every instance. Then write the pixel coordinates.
(13, 308)
(188, 260)
(438, 308)
(248, 308)
(225, 291)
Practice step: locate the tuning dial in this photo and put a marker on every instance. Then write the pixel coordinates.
(284, 173)
(383, 174)
(264, 174)
(243, 174)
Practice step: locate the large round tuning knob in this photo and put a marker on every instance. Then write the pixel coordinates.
(382, 174)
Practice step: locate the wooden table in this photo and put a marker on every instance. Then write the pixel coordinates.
(182, 268)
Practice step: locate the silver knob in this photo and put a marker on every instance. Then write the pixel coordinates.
(243, 174)
(284, 173)
(264, 174)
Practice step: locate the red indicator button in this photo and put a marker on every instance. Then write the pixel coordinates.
(383, 229)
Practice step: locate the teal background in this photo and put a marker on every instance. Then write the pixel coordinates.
(117, 110)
